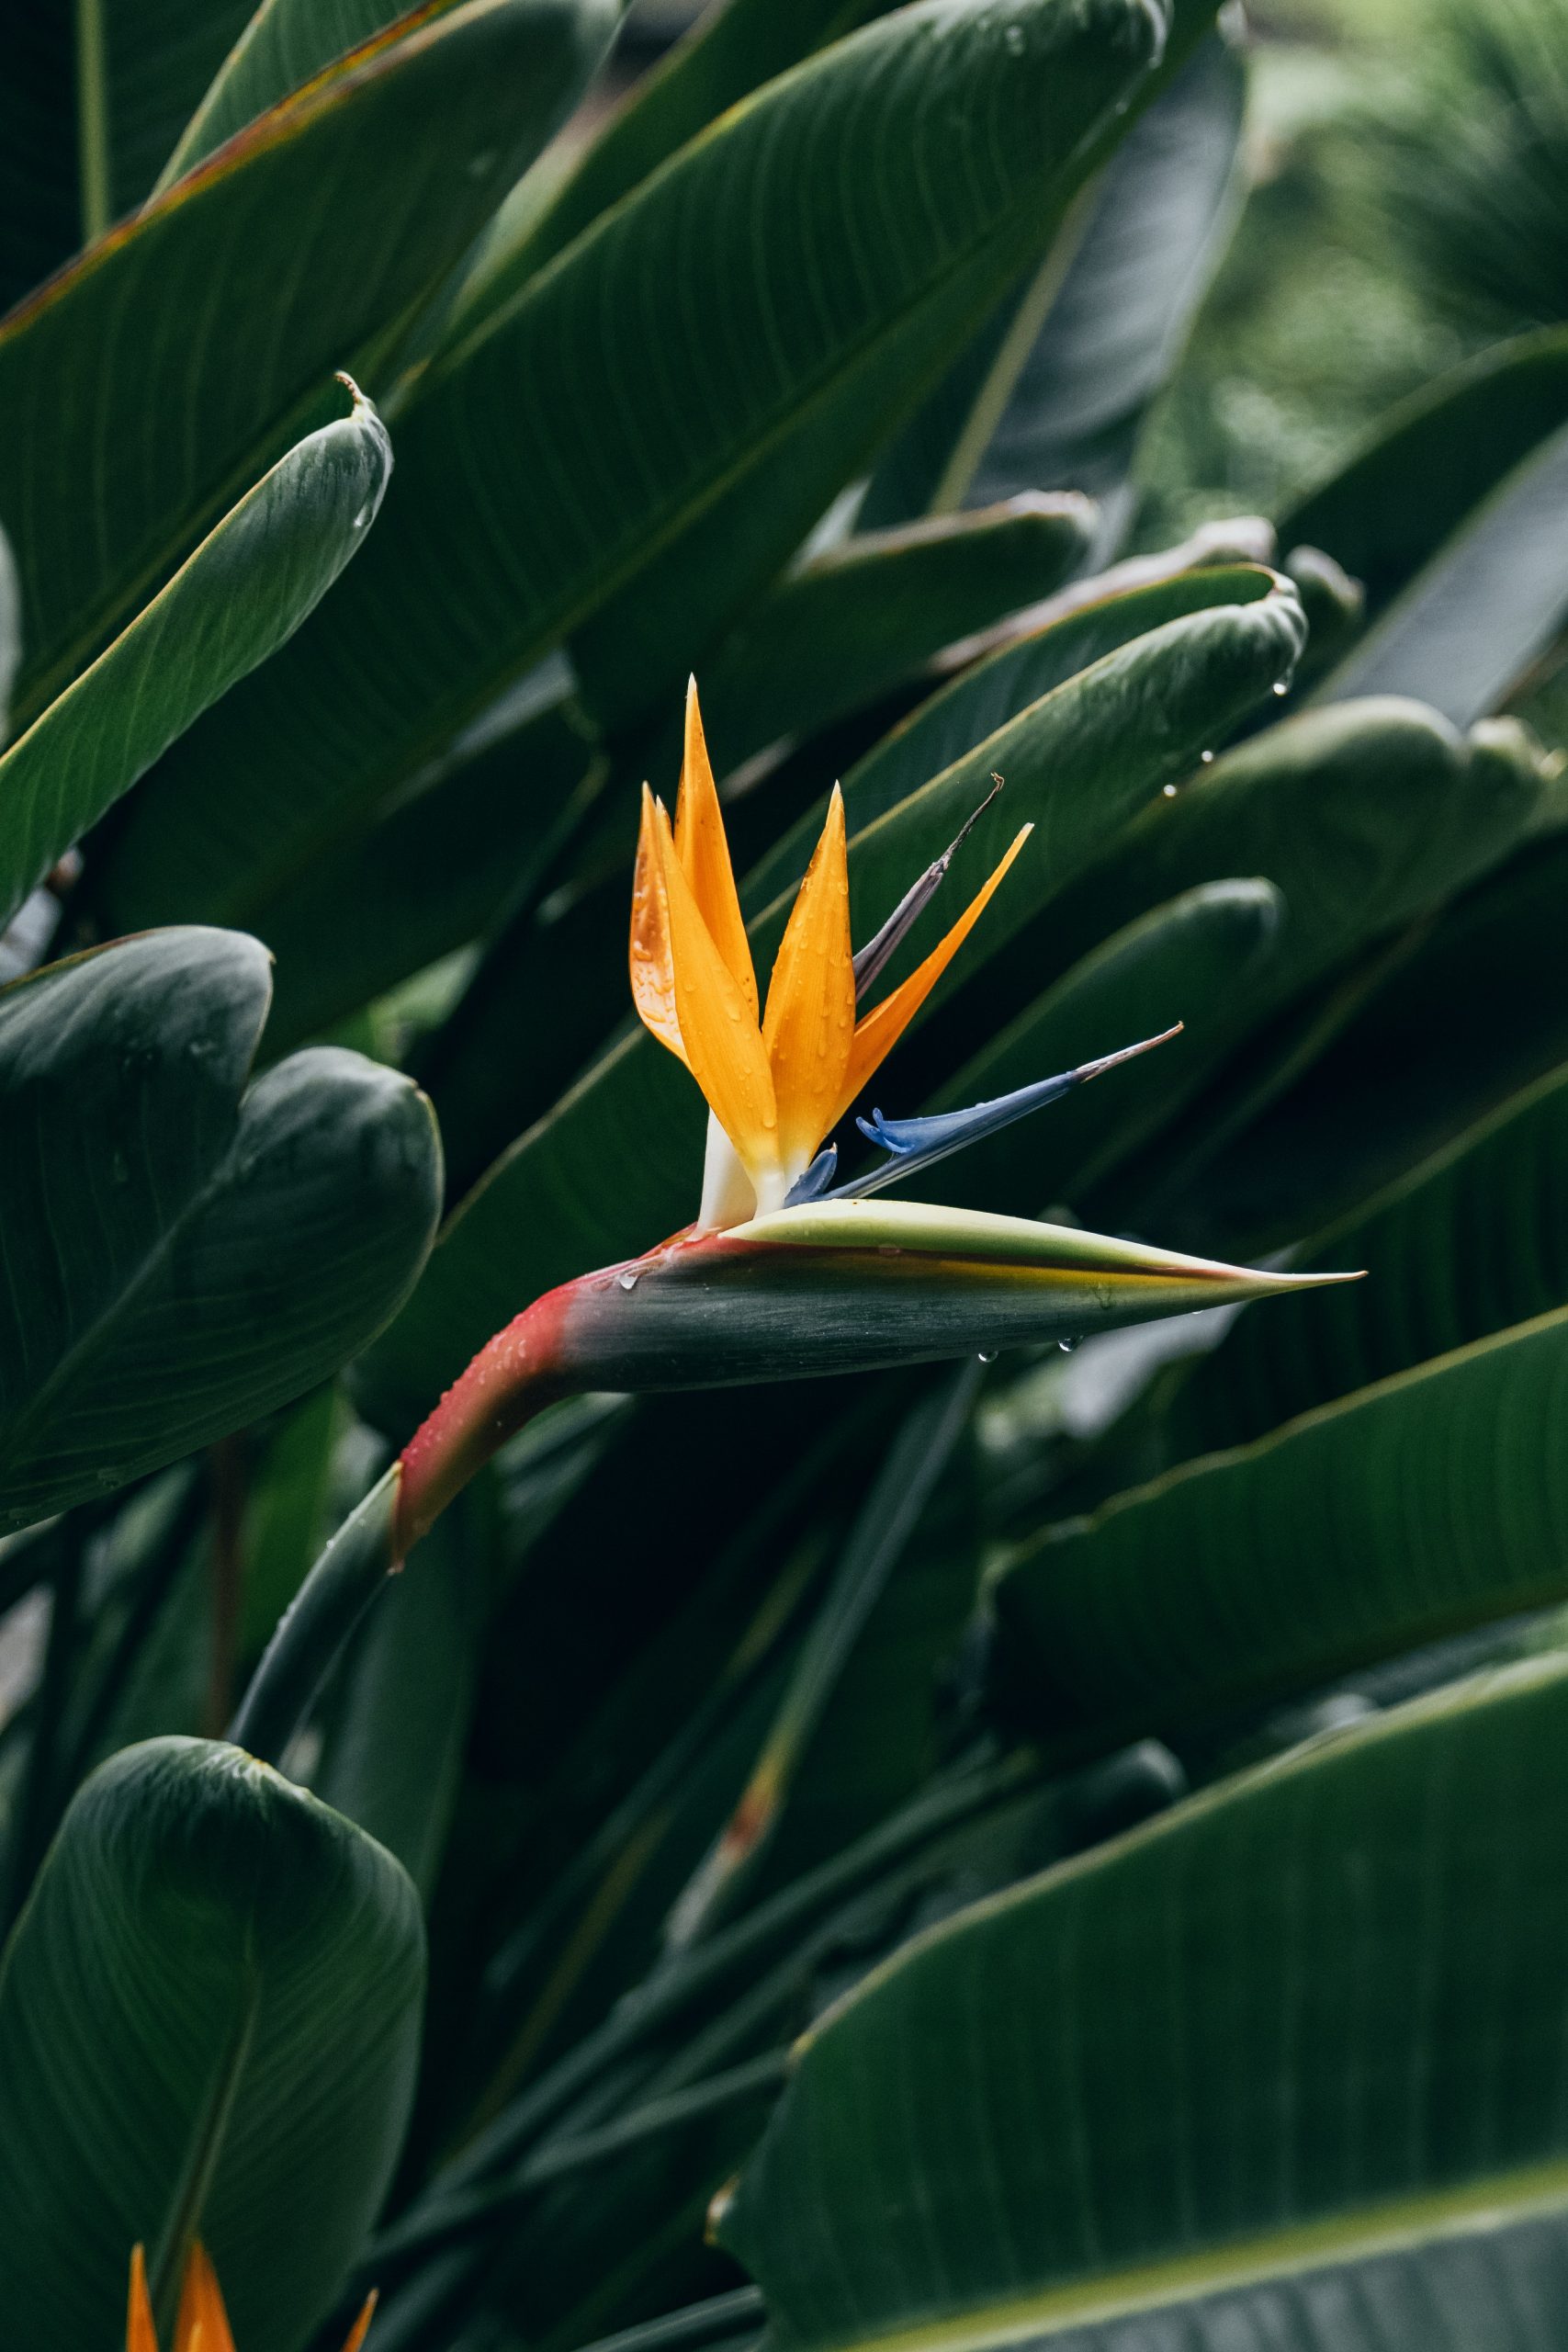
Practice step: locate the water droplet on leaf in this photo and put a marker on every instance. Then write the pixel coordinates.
(1206, 758)
(1170, 791)
(1067, 1345)
(988, 1355)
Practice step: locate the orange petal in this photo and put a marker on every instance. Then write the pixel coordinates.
(810, 1022)
(203, 2324)
(722, 1046)
(358, 2333)
(652, 962)
(140, 2333)
(704, 851)
(881, 1028)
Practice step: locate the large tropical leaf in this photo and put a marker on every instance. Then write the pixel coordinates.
(737, 48)
(969, 716)
(293, 252)
(182, 1254)
(286, 43)
(1469, 1011)
(1054, 392)
(1366, 816)
(244, 591)
(1491, 1212)
(1423, 472)
(1472, 620)
(1201, 959)
(91, 102)
(1301, 2021)
(1415, 1509)
(430, 873)
(1079, 762)
(546, 475)
(209, 2021)
(869, 612)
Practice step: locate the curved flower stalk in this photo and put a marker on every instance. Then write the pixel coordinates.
(203, 2324)
(784, 1272)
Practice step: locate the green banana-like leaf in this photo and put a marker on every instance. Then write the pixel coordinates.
(183, 1255)
(1364, 814)
(867, 613)
(1425, 469)
(209, 2021)
(430, 874)
(1079, 762)
(957, 724)
(1473, 620)
(1492, 1211)
(1200, 959)
(648, 634)
(287, 43)
(91, 101)
(1488, 2285)
(1421, 1506)
(736, 50)
(245, 589)
(1054, 392)
(293, 251)
(1470, 1011)
(1275, 2033)
(587, 466)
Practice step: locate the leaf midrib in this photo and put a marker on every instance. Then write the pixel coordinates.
(111, 1313)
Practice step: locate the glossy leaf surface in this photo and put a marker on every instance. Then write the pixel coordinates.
(182, 1254)
(291, 253)
(1415, 1509)
(1474, 618)
(286, 44)
(604, 463)
(1056, 390)
(1279, 2029)
(1491, 1210)
(209, 2019)
(244, 591)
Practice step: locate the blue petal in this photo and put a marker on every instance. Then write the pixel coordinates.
(918, 1142)
(817, 1178)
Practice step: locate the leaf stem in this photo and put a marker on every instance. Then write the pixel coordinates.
(92, 120)
(313, 1631)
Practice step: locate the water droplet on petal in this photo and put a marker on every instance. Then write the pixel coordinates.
(627, 1282)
